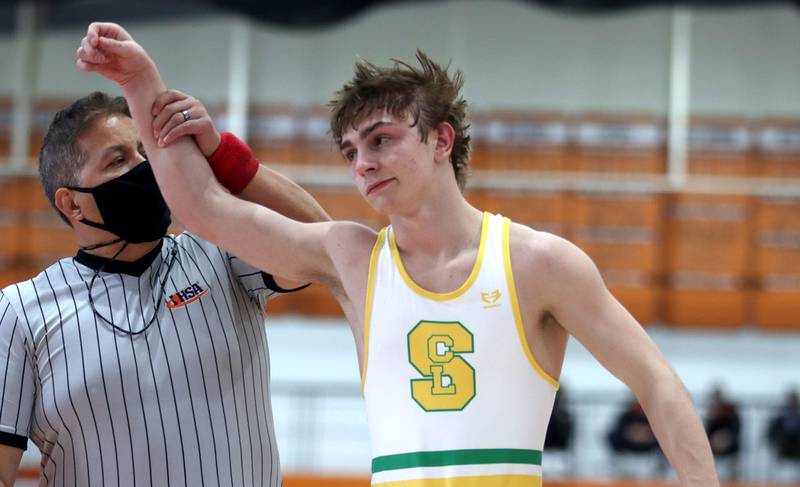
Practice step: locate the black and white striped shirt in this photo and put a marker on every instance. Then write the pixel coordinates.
(186, 403)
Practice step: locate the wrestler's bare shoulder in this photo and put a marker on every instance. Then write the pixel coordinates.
(349, 245)
(536, 246)
(542, 257)
(349, 238)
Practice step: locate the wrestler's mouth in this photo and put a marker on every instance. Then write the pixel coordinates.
(378, 185)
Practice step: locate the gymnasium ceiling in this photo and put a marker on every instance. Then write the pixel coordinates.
(298, 13)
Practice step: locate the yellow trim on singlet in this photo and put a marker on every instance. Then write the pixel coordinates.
(512, 292)
(478, 481)
(453, 294)
(373, 265)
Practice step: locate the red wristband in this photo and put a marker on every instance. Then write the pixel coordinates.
(233, 163)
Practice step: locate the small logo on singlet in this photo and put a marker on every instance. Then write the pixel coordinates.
(490, 299)
(188, 295)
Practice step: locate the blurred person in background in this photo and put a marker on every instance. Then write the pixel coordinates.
(784, 429)
(631, 432)
(459, 373)
(560, 429)
(723, 427)
(636, 447)
(143, 359)
(559, 436)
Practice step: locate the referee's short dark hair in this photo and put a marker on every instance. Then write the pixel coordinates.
(60, 159)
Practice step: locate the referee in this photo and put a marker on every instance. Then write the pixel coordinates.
(142, 360)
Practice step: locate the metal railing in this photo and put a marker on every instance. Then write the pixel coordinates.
(322, 429)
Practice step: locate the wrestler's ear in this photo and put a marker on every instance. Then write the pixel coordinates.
(445, 136)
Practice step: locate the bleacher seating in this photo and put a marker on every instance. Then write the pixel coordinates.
(619, 144)
(621, 232)
(721, 146)
(708, 252)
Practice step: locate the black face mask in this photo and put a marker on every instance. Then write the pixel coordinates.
(131, 206)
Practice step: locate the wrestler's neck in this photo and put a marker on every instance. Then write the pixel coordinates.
(445, 224)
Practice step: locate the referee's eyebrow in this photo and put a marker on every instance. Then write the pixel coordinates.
(112, 149)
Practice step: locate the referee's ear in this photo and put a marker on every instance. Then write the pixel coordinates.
(65, 203)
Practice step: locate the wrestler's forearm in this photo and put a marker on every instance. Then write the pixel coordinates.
(679, 432)
(181, 170)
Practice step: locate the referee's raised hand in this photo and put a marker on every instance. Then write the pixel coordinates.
(178, 114)
(108, 49)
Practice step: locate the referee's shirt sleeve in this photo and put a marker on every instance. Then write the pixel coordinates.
(258, 284)
(17, 380)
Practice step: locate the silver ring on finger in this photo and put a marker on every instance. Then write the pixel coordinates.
(185, 114)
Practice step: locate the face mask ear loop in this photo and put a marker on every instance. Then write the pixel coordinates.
(104, 244)
(93, 224)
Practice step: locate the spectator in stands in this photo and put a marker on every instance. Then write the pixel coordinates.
(723, 428)
(559, 430)
(632, 433)
(784, 429)
(723, 425)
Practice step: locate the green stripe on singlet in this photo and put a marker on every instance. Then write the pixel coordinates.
(455, 457)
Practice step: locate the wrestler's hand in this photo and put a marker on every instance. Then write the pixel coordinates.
(109, 50)
(169, 123)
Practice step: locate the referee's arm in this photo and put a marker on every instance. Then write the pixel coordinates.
(277, 192)
(9, 464)
(18, 389)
